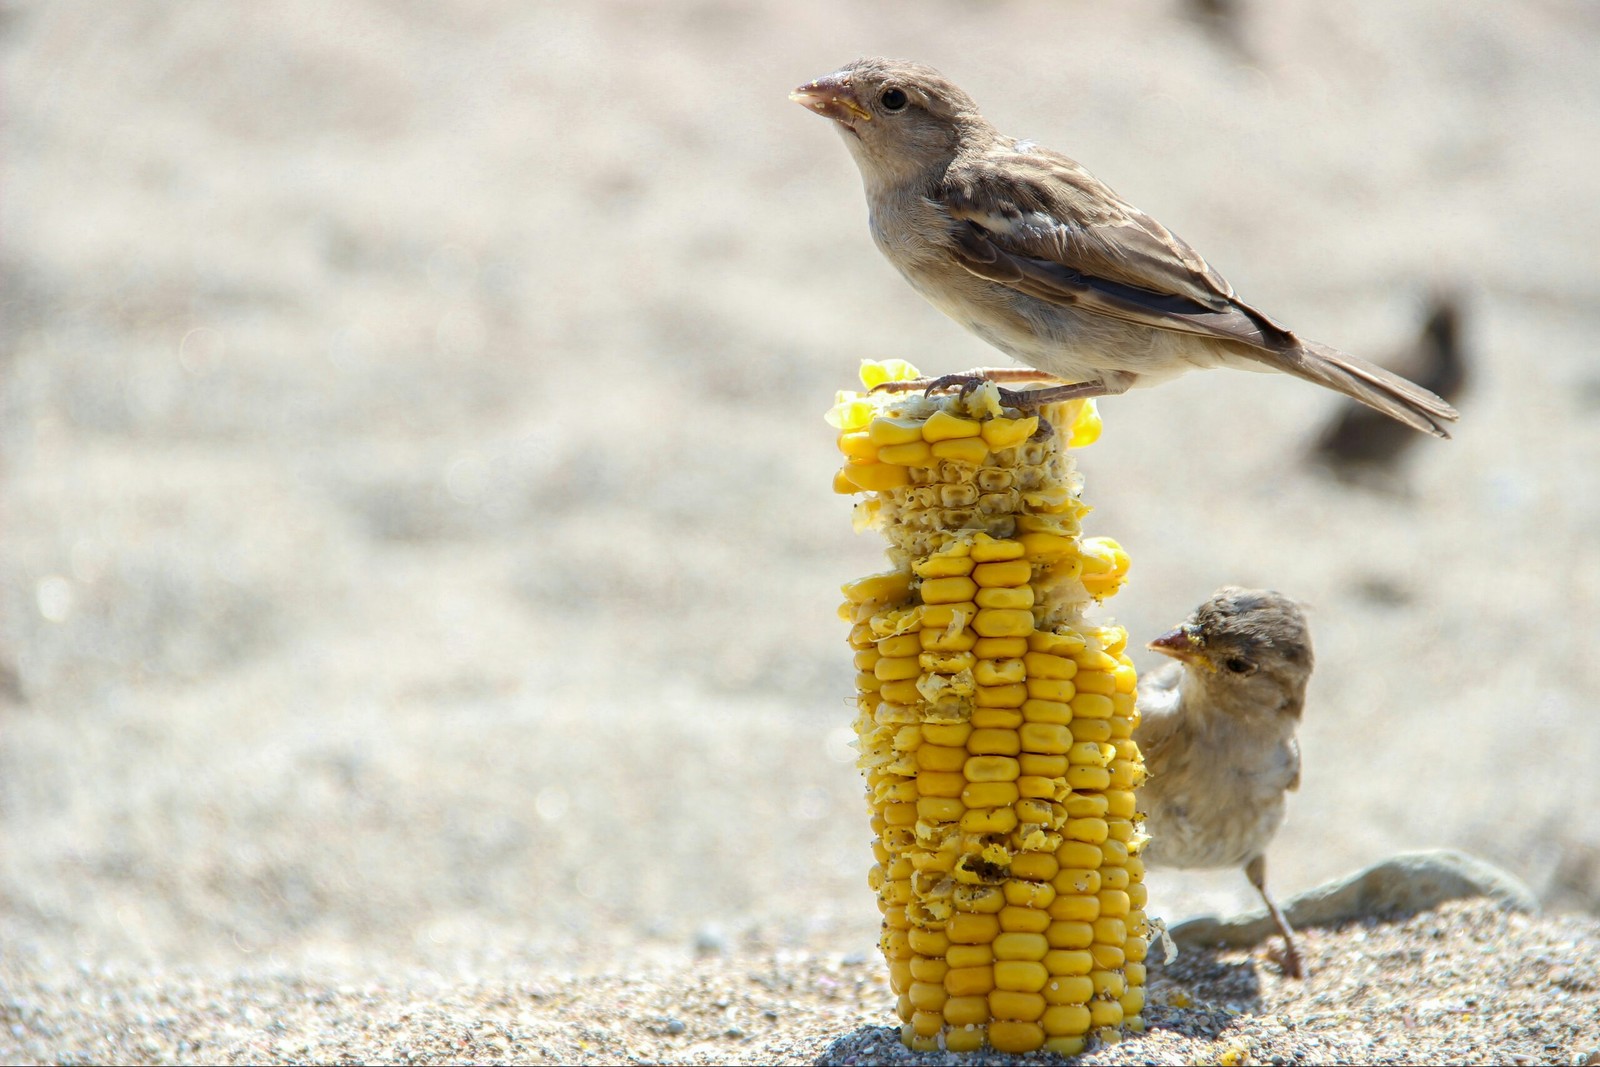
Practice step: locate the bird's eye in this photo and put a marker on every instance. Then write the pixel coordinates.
(1240, 666)
(894, 100)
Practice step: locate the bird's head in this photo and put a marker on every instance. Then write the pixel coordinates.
(1245, 649)
(902, 121)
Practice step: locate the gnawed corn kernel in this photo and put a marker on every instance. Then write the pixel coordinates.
(875, 372)
(1086, 425)
(943, 426)
(994, 725)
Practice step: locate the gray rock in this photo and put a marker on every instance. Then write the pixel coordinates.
(1402, 885)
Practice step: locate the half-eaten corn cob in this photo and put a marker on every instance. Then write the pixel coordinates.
(995, 724)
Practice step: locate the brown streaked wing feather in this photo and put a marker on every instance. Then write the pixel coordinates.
(1043, 225)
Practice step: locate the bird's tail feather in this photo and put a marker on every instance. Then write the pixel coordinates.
(1373, 386)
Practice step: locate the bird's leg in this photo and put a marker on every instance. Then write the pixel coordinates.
(1023, 399)
(1256, 871)
(970, 380)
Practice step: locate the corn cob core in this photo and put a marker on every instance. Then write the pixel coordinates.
(995, 725)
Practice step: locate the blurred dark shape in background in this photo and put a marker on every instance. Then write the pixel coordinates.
(1357, 445)
(1224, 21)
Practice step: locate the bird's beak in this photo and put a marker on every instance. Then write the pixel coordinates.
(1182, 644)
(832, 97)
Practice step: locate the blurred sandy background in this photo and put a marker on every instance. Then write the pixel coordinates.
(417, 539)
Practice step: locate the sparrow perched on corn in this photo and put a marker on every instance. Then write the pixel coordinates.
(1217, 731)
(1023, 247)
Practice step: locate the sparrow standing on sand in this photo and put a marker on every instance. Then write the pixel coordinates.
(1023, 247)
(1217, 732)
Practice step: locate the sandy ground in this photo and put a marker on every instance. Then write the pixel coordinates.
(416, 549)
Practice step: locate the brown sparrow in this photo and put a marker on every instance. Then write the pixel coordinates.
(1023, 247)
(1217, 731)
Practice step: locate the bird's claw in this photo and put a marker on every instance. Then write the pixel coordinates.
(1288, 960)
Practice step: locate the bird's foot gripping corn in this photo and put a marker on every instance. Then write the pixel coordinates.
(995, 724)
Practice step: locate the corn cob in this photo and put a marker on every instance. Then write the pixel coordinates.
(994, 724)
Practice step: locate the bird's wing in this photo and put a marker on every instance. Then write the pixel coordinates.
(1041, 224)
(1294, 763)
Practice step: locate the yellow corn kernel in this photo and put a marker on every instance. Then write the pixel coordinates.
(876, 477)
(1010, 1035)
(993, 743)
(1020, 946)
(958, 589)
(1012, 1004)
(969, 981)
(995, 718)
(1071, 1018)
(1007, 574)
(1096, 730)
(1043, 546)
(943, 426)
(1035, 866)
(990, 769)
(1077, 882)
(989, 794)
(1005, 599)
(910, 454)
(884, 588)
(1093, 660)
(1029, 894)
(883, 431)
(1043, 665)
(970, 1010)
(968, 450)
(969, 1038)
(1054, 689)
(1069, 988)
(1003, 622)
(950, 735)
(1000, 647)
(1000, 696)
(1045, 738)
(1070, 934)
(1107, 957)
(1124, 774)
(1024, 920)
(929, 943)
(1035, 785)
(944, 565)
(1105, 1012)
(1021, 976)
(896, 668)
(1008, 433)
(1075, 908)
(875, 372)
(939, 808)
(973, 928)
(1053, 712)
(986, 549)
(947, 784)
(1091, 706)
(999, 672)
(1096, 682)
(933, 757)
(996, 820)
(969, 956)
(927, 996)
(1064, 962)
